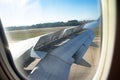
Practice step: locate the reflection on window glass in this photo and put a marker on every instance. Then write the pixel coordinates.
(53, 39)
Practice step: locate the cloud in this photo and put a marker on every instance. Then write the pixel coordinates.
(19, 12)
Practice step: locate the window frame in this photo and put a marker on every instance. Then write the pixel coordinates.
(102, 72)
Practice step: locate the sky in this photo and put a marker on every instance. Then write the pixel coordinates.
(29, 12)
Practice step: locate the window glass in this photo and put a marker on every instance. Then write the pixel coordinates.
(53, 39)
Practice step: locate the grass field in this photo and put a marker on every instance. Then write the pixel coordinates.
(98, 31)
(18, 35)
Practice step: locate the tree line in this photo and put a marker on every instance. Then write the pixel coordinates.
(46, 25)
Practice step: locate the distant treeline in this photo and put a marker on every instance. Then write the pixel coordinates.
(46, 25)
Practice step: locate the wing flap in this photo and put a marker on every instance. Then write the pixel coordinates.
(83, 62)
(94, 44)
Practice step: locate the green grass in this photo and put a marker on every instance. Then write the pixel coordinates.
(18, 35)
(98, 31)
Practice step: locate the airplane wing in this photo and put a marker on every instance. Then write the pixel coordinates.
(56, 64)
(57, 51)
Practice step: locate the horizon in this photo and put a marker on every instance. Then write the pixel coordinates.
(45, 23)
(30, 12)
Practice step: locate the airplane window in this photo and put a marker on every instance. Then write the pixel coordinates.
(53, 39)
